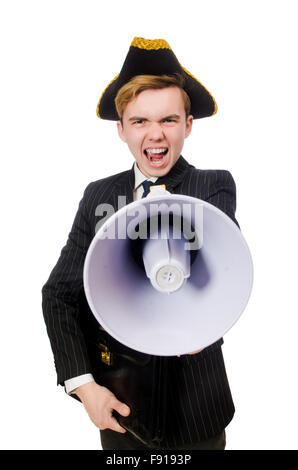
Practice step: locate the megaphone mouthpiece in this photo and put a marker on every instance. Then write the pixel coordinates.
(167, 263)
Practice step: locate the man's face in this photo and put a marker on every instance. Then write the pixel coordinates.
(154, 128)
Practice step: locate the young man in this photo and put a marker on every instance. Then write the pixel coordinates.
(173, 402)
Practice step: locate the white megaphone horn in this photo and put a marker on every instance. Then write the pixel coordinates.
(168, 274)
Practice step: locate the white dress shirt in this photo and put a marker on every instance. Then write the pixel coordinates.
(75, 382)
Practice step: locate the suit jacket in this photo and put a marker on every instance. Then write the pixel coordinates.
(198, 400)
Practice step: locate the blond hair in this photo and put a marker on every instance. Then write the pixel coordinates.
(141, 83)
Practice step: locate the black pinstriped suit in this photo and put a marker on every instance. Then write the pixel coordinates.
(199, 402)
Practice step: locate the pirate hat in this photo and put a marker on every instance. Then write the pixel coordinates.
(155, 57)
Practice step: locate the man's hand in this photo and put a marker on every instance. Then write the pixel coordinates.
(196, 352)
(191, 353)
(99, 403)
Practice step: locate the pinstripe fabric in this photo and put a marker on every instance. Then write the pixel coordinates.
(200, 404)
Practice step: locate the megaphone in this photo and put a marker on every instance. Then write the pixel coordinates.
(168, 274)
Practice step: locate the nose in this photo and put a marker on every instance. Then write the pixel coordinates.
(155, 132)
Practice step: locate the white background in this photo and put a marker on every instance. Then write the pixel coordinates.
(56, 59)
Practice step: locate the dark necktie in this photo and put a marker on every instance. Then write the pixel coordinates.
(146, 185)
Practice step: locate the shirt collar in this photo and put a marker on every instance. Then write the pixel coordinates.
(139, 177)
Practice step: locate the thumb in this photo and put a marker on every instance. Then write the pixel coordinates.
(121, 408)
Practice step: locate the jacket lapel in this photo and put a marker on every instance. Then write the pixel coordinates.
(124, 187)
(175, 175)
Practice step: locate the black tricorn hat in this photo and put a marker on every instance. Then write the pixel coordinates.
(155, 57)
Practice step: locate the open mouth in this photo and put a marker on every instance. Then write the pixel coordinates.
(156, 155)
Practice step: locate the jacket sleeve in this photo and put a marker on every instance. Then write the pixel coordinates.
(222, 193)
(60, 300)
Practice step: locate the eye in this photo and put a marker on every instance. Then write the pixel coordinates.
(138, 121)
(170, 120)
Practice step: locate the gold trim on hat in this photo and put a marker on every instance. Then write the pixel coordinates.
(97, 109)
(192, 76)
(149, 44)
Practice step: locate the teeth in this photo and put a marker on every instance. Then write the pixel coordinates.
(156, 150)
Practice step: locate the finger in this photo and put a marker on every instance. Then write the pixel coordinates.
(121, 408)
(195, 352)
(115, 426)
